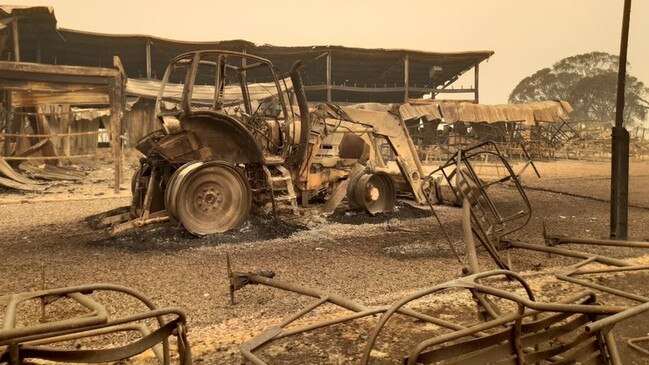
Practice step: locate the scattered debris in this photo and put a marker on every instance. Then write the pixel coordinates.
(29, 342)
(529, 334)
(9, 178)
(457, 182)
(53, 173)
(170, 237)
(39, 121)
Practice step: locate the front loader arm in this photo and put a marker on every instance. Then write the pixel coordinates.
(395, 132)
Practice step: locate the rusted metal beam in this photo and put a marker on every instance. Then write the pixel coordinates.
(395, 89)
(28, 68)
(29, 98)
(618, 317)
(406, 78)
(566, 252)
(10, 124)
(558, 239)
(16, 39)
(328, 77)
(148, 59)
(244, 64)
(476, 83)
(620, 144)
(469, 241)
(619, 214)
(117, 110)
(632, 343)
(28, 340)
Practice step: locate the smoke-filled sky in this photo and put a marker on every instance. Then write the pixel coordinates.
(526, 35)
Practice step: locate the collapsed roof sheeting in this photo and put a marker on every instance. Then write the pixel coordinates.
(411, 111)
(377, 107)
(449, 112)
(202, 93)
(9, 178)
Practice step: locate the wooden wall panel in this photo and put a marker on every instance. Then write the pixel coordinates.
(140, 121)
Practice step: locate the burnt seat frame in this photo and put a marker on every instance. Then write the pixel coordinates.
(488, 222)
(529, 337)
(19, 343)
(582, 303)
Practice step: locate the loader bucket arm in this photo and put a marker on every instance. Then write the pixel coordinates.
(395, 132)
(305, 123)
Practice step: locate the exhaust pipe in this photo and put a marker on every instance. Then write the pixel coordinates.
(305, 122)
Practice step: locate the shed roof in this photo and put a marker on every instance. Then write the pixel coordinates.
(550, 111)
(41, 39)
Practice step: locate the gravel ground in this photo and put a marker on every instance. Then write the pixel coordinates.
(370, 260)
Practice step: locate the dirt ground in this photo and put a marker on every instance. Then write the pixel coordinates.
(372, 260)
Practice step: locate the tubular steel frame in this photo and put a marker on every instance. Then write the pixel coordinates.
(528, 306)
(466, 185)
(490, 238)
(570, 273)
(27, 342)
(491, 241)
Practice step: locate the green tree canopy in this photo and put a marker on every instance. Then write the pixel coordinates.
(589, 83)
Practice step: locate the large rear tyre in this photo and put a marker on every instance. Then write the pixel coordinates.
(136, 194)
(137, 174)
(209, 197)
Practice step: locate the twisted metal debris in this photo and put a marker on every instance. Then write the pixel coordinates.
(18, 343)
(576, 329)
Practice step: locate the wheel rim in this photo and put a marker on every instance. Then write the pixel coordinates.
(374, 193)
(172, 187)
(211, 198)
(136, 176)
(136, 198)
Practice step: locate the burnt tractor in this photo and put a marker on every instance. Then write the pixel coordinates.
(233, 135)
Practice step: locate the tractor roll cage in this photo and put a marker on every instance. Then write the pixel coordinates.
(196, 58)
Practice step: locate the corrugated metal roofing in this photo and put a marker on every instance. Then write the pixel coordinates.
(201, 93)
(449, 112)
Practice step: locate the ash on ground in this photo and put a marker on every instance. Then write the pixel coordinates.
(173, 237)
(401, 211)
(259, 227)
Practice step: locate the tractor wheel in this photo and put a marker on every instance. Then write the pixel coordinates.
(137, 174)
(374, 193)
(209, 197)
(172, 188)
(137, 196)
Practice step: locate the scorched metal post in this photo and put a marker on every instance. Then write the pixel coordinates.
(620, 143)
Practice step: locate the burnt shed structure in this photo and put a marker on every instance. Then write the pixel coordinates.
(331, 73)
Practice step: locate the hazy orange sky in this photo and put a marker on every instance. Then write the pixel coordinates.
(526, 35)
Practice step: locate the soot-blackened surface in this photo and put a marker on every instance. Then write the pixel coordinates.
(401, 211)
(173, 237)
